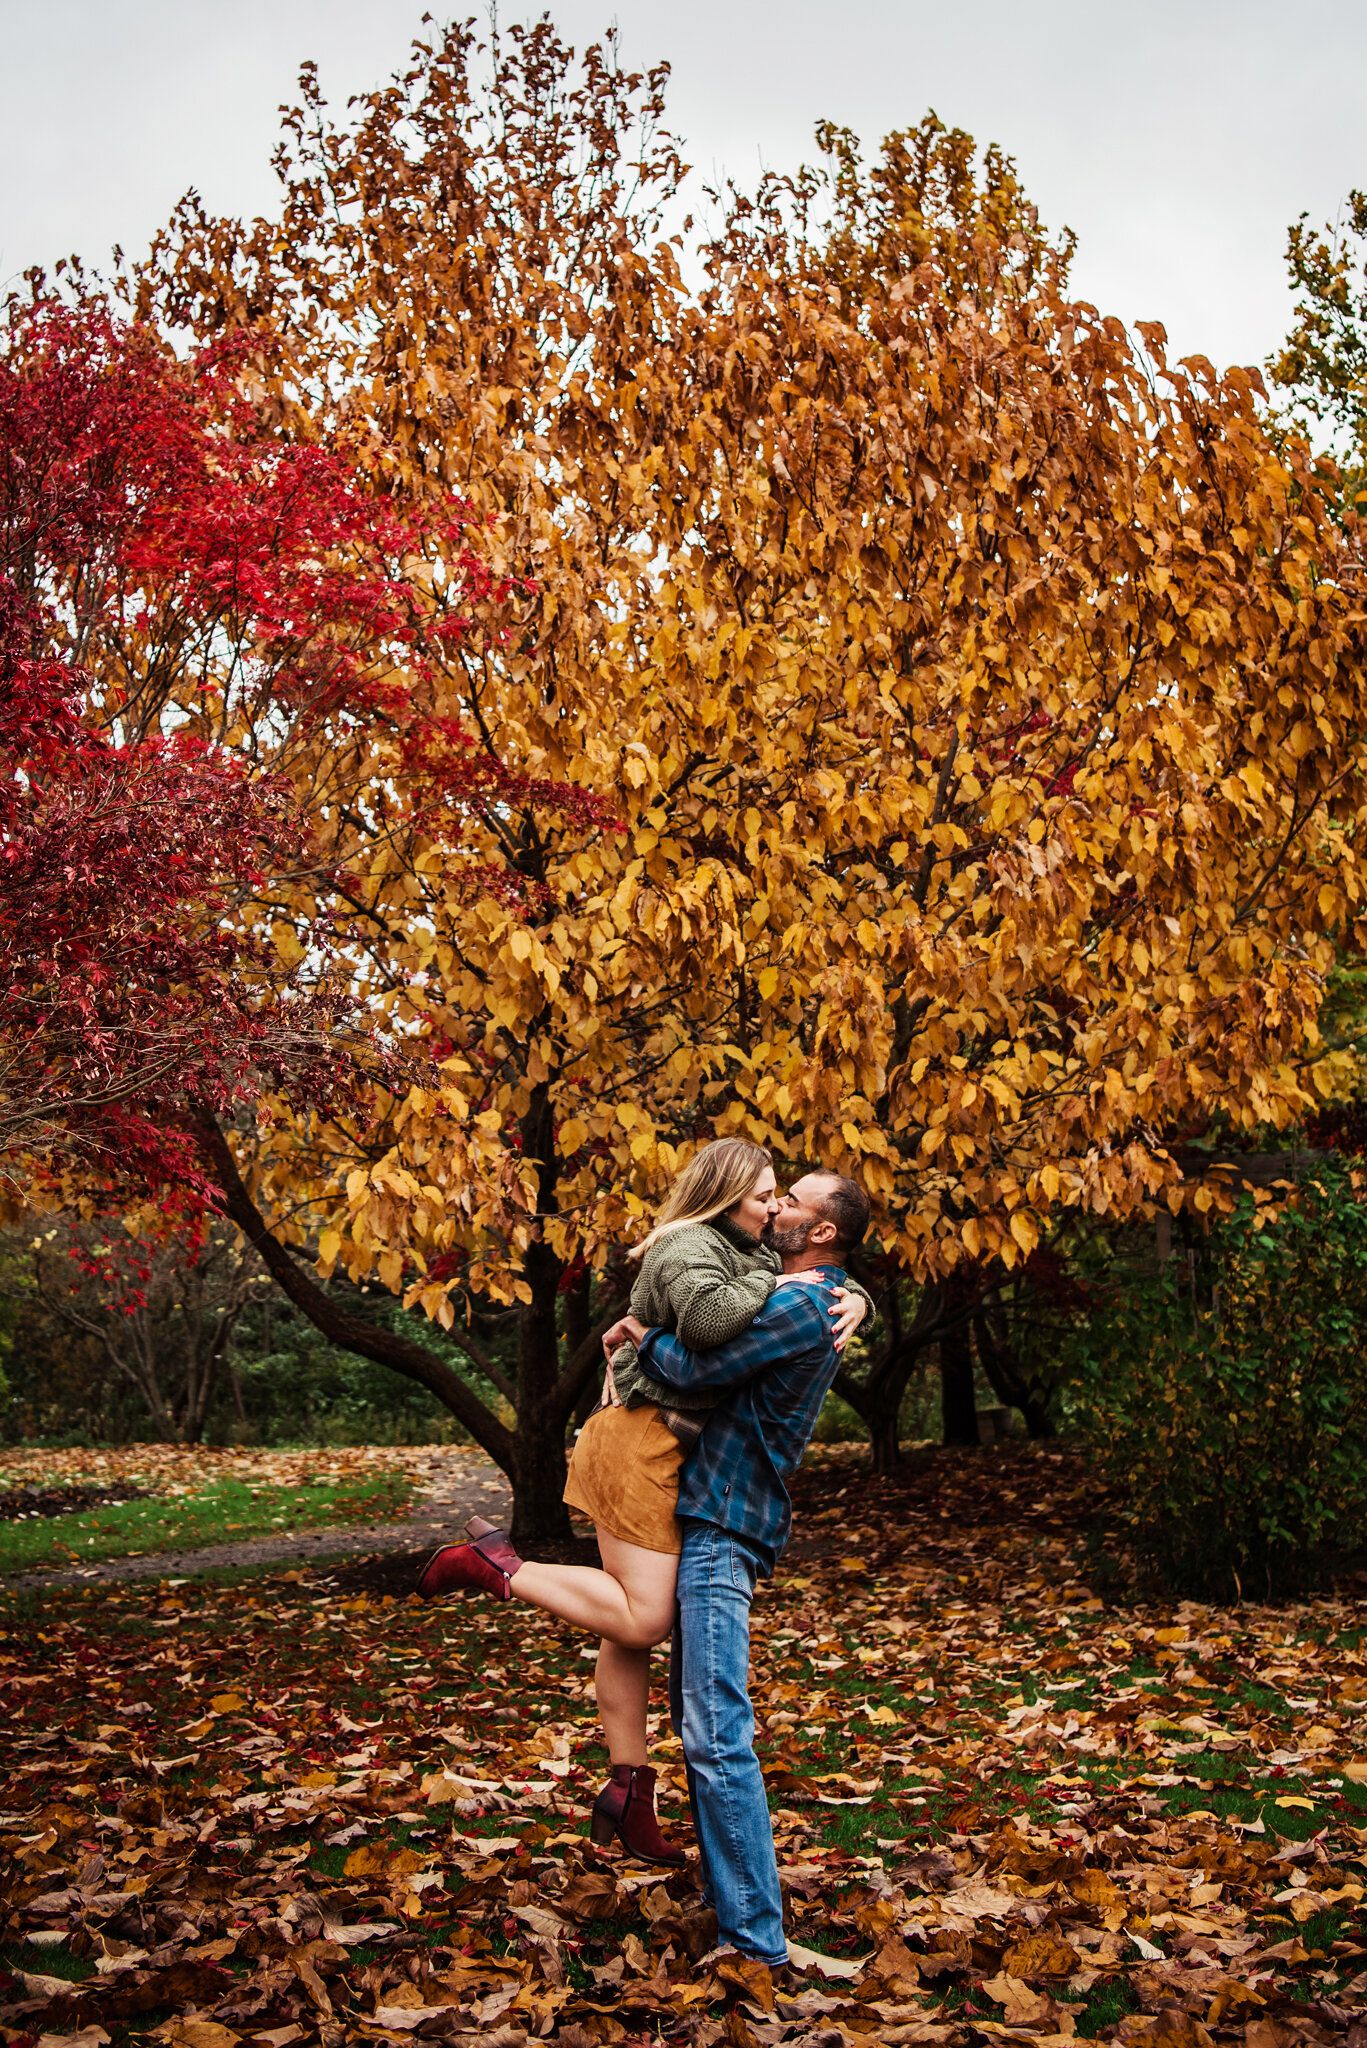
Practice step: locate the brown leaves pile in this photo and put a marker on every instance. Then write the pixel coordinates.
(171, 1469)
(376, 1833)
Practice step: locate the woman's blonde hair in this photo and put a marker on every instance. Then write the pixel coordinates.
(714, 1180)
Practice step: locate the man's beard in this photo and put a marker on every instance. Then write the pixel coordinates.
(785, 1242)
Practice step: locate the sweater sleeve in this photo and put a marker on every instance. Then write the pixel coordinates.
(872, 1312)
(689, 1282)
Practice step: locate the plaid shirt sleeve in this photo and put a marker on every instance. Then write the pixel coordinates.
(790, 1321)
(771, 1381)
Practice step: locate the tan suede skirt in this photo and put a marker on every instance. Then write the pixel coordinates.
(624, 1474)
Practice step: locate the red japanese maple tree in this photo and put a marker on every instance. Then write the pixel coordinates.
(160, 532)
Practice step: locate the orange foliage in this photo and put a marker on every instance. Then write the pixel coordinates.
(979, 699)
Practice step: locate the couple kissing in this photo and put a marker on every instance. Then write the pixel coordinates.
(715, 1381)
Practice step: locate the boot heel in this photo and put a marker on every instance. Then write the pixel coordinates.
(633, 1823)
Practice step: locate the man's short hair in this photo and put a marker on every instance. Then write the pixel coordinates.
(844, 1203)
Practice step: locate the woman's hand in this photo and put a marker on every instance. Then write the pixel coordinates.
(610, 1394)
(848, 1311)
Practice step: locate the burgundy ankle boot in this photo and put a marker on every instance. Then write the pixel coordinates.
(485, 1565)
(626, 1808)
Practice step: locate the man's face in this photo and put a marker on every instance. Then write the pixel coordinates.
(799, 1221)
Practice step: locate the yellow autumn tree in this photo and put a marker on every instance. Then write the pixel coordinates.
(960, 708)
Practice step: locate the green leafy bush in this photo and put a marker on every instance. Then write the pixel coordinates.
(1223, 1398)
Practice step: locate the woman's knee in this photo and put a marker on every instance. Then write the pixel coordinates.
(645, 1631)
(649, 1619)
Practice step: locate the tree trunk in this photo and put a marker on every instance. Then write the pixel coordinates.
(1009, 1383)
(959, 1408)
(878, 1399)
(532, 1452)
(539, 1512)
(884, 1448)
(139, 1367)
(239, 1406)
(878, 1402)
(208, 1367)
(576, 1331)
(338, 1325)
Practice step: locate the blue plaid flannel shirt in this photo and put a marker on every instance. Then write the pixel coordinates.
(779, 1370)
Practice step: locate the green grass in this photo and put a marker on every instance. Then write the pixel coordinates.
(1106, 2004)
(46, 1961)
(1324, 1928)
(225, 1512)
(329, 1862)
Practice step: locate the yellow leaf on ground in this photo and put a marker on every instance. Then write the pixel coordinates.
(828, 1966)
(1023, 2007)
(374, 1859)
(1041, 1955)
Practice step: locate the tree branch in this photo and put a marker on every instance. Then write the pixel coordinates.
(350, 1332)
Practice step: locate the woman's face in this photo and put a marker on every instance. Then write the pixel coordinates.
(753, 1211)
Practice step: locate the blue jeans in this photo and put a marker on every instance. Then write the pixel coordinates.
(711, 1709)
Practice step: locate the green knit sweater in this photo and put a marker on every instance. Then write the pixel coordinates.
(706, 1282)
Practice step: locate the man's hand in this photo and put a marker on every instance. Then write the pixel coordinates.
(625, 1331)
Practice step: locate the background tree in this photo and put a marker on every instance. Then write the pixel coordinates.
(1324, 363)
(980, 697)
(123, 986)
(162, 1309)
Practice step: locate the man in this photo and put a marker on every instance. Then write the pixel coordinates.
(736, 1518)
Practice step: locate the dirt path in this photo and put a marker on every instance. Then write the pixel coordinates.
(463, 1484)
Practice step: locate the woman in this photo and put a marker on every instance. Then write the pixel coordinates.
(705, 1275)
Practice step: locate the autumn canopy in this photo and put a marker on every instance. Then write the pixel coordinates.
(810, 678)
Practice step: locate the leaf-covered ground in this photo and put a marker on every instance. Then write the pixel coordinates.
(180, 1471)
(71, 1510)
(292, 1811)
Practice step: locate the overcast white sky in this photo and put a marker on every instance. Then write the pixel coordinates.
(1177, 139)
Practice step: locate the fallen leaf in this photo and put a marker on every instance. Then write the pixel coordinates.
(377, 1859)
(192, 2033)
(1023, 2006)
(1167, 2029)
(402, 2019)
(1040, 1955)
(833, 1967)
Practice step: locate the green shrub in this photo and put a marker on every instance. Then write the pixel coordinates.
(838, 1423)
(1223, 1398)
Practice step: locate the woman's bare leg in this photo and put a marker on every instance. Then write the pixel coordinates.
(631, 1601)
(631, 1604)
(622, 1683)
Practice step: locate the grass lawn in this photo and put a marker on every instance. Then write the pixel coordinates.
(225, 1511)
